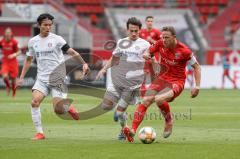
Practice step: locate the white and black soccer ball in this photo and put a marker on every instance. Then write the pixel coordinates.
(147, 135)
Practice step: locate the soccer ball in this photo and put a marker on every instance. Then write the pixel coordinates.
(147, 135)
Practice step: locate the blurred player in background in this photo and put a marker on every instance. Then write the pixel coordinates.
(127, 72)
(226, 68)
(152, 35)
(48, 49)
(10, 51)
(174, 56)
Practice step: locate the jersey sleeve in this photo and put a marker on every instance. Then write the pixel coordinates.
(117, 51)
(158, 34)
(193, 59)
(155, 47)
(60, 42)
(147, 45)
(30, 51)
(15, 46)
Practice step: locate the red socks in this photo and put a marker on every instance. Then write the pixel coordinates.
(14, 88)
(138, 116)
(6, 81)
(165, 110)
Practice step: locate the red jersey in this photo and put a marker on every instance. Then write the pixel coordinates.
(153, 33)
(173, 62)
(8, 48)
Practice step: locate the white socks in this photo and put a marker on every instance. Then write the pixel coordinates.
(36, 118)
(122, 118)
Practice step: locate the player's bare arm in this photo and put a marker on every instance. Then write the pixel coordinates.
(111, 62)
(147, 55)
(79, 58)
(11, 56)
(26, 66)
(197, 76)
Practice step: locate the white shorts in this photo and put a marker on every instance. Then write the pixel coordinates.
(122, 96)
(59, 90)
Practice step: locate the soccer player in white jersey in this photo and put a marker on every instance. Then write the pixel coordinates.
(127, 72)
(47, 49)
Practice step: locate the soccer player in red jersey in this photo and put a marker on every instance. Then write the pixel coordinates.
(152, 35)
(226, 68)
(174, 56)
(10, 51)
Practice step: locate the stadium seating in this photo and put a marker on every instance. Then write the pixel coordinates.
(25, 1)
(215, 30)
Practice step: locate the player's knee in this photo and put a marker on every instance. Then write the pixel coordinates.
(61, 106)
(107, 104)
(59, 110)
(35, 103)
(147, 101)
(160, 100)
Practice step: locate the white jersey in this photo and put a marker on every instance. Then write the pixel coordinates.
(129, 73)
(49, 56)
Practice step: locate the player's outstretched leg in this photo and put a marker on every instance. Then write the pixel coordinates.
(63, 107)
(137, 119)
(122, 116)
(36, 118)
(129, 134)
(73, 112)
(165, 110)
(37, 98)
(115, 116)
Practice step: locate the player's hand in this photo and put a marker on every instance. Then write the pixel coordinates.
(19, 82)
(194, 92)
(11, 56)
(85, 69)
(100, 74)
(146, 56)
(149, 39)
(156, 67)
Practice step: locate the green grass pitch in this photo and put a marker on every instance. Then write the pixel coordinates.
(207, 127)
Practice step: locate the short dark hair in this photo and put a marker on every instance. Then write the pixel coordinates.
(170, 29)
(134, 21)
(147, 17)
(43, 16)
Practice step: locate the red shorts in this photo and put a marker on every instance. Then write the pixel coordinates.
(226, 72)
(160, 84)
(10, 68)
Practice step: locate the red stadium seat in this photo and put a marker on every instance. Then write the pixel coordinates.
(234, 27)
(203, 19)
(214, 10)
(235, 18)
(89, 9)
(223, 2)
(204, 10)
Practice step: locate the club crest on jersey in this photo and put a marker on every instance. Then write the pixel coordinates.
(137, 47)
(49, 44)
(177, 55)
